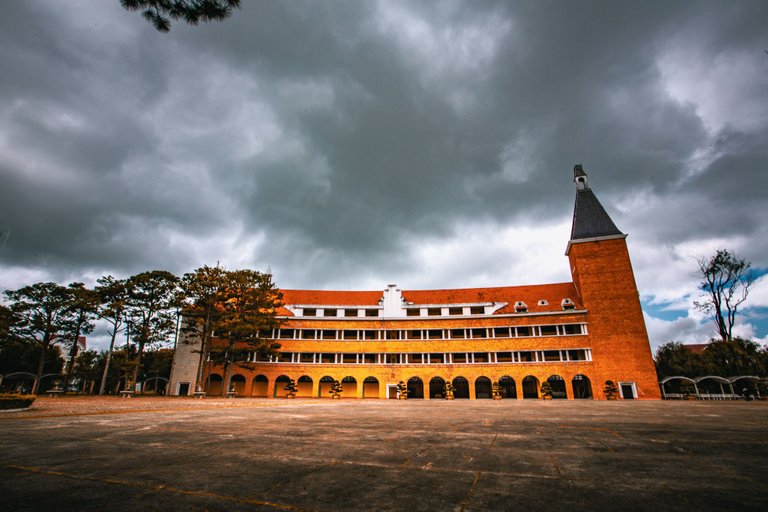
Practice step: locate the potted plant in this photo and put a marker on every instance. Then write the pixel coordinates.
(546, 391)
(291, 389)
(402, 391)
(496, 390)
(610, 390)
(16, 401)
(336, 389)
(448, 389)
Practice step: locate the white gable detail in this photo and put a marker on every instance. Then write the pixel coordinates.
(393, 302)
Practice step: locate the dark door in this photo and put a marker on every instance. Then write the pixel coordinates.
(627, 391)
(184, 389)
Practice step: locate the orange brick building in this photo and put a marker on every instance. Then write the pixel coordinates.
(575, 335)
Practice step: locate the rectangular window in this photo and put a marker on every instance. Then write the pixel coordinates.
(526, 357)
(551, 355)
(392, 335)
(325, 358)
(524, 331)
(349, 358)
(305, 357)
(286, 334)
(479, 333)
(413, 312)
(504, 357)
(310, 312)
(455, 311)
(350, 312)
(481, 357)
(329, 334)
(330, 312)
(307, 334)
(501, 332)
(461, 357)
(457, 333)
(577, 355)
(368, 358)
(350, 335)
(571, 329)
(549, 330)
(371, 312)
(415, 358)
(433, 311)
(414, 334)
(369, 335)
(435, 334)
(436, 358)
(477, 310)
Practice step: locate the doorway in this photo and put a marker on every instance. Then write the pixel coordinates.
(627, 390)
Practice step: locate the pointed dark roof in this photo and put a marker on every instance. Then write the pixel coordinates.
(590, 220)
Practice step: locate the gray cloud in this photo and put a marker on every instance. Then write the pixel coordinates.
(335, 141)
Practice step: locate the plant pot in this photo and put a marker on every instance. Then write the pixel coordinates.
(16, 402)
(546, 397)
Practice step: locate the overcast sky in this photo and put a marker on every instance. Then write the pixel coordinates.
(351, 144)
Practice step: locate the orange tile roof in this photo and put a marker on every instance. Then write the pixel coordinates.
(696, 348)
(332, 297)
(531, 294)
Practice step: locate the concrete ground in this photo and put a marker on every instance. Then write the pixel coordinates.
(248, 454)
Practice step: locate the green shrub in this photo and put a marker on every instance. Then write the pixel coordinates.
(14, 401)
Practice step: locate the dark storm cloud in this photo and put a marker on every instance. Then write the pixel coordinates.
(345, 142)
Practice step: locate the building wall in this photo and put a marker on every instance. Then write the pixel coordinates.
(185, 361)
(603, 275)
(390, 376)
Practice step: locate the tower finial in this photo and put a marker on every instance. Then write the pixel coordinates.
(580, 177)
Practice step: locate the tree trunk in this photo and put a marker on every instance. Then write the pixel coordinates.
(72, 355)
(139, 351)
(41, 364)
(103, 386)
(227, 375)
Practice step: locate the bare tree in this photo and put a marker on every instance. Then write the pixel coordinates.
(725, 281)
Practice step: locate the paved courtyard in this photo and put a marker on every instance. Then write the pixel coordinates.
(247, 454)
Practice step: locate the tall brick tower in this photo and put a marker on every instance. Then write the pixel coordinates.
(602, 273)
